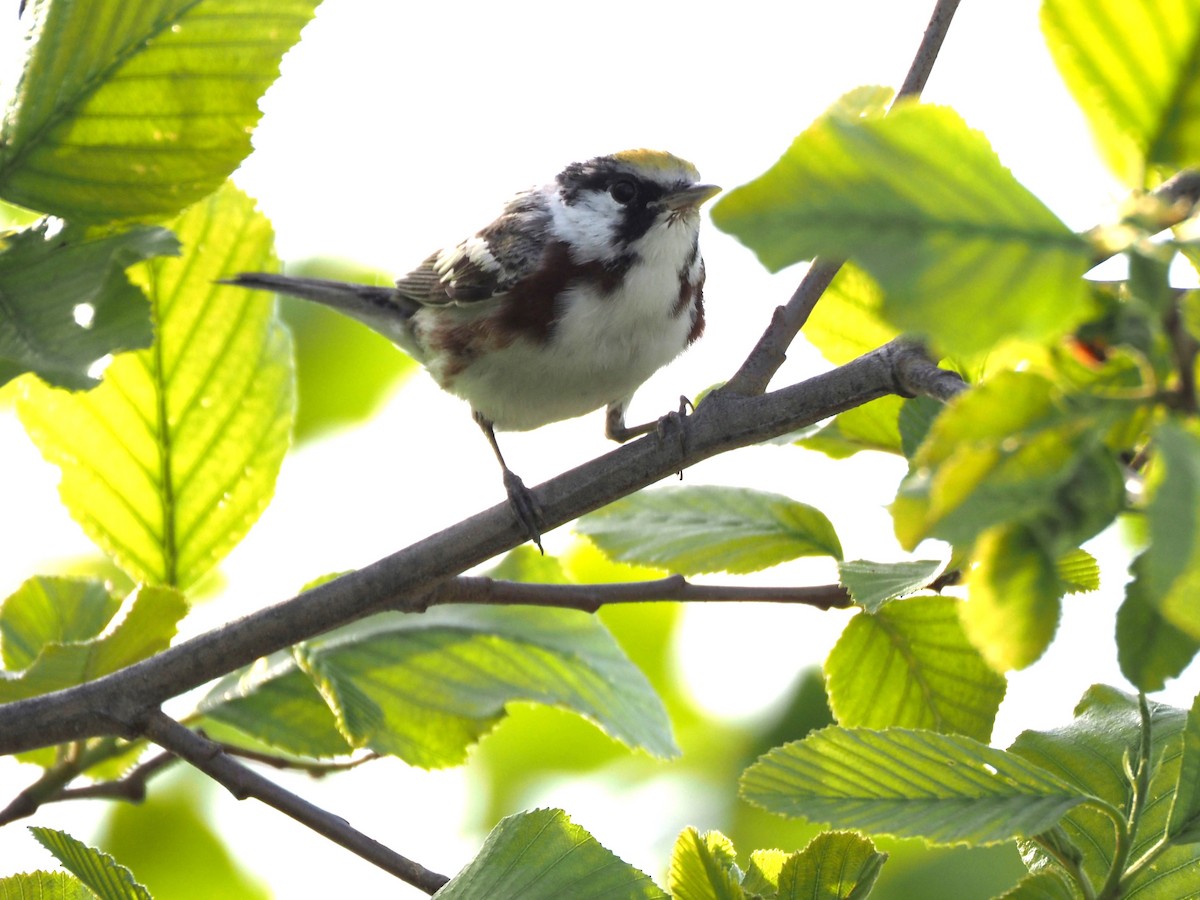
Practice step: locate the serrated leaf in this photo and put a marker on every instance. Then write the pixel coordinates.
(836, 865)
(169, 462)
(425, 687)
(543, 854)
(52, 609)
(910, 665)
(965, 255)
(704, 867)
(1134, 69)
(1091, 754)
(65, 301)
(691, 530)
(44, 886)
(1040, 886)
(139, 110)
(1014, 598)
(762, 875)
(147, 628)
(946, 789)
(1078, 572)
(1150, 648)
(871, 584)
(872, 426)
(1172, 559)
(99, 871)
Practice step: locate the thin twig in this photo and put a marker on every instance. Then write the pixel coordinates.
(242, 782)
(590, 597)
(771, 350)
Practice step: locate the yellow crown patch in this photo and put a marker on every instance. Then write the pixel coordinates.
(657, 160)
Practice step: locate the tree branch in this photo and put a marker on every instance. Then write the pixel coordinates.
(115, 703)
(771, 350)
(242, 782)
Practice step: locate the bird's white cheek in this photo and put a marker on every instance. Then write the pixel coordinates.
(588, 226)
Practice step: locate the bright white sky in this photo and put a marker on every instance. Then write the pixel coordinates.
(397, 128)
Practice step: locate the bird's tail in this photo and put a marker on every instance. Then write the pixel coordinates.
(384, 309)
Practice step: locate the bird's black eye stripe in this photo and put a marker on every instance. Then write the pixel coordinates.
(623, 190)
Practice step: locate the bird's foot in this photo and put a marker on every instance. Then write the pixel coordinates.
(524, 507)
(673, 422)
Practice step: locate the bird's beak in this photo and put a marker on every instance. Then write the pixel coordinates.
(690, 197)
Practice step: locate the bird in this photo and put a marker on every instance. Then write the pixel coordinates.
(579, 291)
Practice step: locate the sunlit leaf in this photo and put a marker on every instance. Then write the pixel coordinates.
(1014, 598)
(99, 871)
(1184, 825)
(871, 584)
(965, 255)
(49, 609)
(1134, 69)
(543, 855)
(1078, 571)
(67, 301)
(703, 867)
(947, 789)
(848, 321)
(872, 426)
(836, 865)
(425, 687)
(1045, 885)
(139, 109)
(147, 627)
(910, 665)
(1091, 754)
(169, 462)
(44, 886)
(710, 529)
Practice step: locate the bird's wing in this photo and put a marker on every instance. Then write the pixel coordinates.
(487, 265)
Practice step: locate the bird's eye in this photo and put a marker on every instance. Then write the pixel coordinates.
(623, 191)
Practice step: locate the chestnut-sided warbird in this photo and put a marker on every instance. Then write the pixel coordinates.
(569, 301)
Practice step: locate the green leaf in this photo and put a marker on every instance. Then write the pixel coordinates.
(147, 628)
(1149, 648)
(425, 687)
(140, 110)
(52, 610)
(836, 865)
(1184, 824)
(1078, 572)
(965, 255)
(691, 530)
(99, 871)
(1013, 449)
(1134, 69)
(848, 321)
(543, 854)
(1091, 754)
(762, 876)
(947, 789)
(871, 584)
(169, 462)
(65, 301)
(1014, 598)
(1172, 559)
(910, 665)
(703, 867)
(872, 426)
(44, 886)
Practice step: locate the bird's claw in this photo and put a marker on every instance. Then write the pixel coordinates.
(673, 421)
(524, 507)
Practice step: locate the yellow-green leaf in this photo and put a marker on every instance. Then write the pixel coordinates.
(169, 462)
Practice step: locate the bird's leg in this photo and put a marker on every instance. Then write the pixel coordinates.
(522, 503)
(615, 428)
